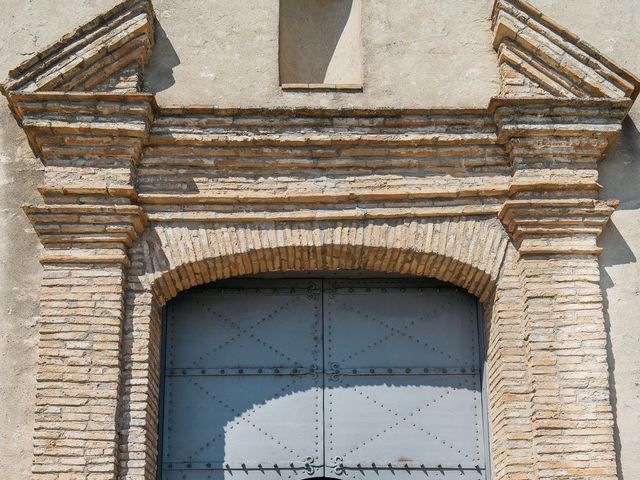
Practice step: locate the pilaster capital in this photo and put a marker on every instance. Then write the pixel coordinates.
(87, 233)
(554, 144)
(556, 226)
(90, 143)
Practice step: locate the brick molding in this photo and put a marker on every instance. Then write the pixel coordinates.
(142, 201)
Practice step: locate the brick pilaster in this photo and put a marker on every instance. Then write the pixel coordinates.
(566, 341)
(554, 218)
(82, 310)
(78, 371)
(90, 145)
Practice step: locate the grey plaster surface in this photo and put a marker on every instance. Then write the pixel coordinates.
(413, 55)
(319, 41)
(416, 53)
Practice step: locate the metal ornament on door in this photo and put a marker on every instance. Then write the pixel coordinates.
(301, 378)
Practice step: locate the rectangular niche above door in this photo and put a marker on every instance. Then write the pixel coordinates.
(320, 44)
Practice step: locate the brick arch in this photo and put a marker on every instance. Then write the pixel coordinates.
(474, 254)
(467, 253)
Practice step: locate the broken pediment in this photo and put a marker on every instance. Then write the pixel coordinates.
(105, 55)
(538, 57)
(105, 143)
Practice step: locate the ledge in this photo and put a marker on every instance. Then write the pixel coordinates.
(322, 87)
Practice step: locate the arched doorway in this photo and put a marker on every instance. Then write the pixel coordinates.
(348, 376)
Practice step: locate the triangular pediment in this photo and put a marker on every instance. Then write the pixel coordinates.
(538, 57)
(105, 55)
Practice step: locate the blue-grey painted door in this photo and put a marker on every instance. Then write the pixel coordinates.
(243, 387)
(403, 392)
(290, 379)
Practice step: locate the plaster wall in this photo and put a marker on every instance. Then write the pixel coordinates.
(417, 53)
(319, 42)
(229, 55)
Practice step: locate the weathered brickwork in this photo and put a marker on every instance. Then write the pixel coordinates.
(174, 256)
(107, 52)
(539, 57)
(141, 202)
(79, 370)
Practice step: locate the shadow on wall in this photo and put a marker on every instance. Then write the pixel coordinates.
(619, 173)
(320, 41)
(159, 72)
(620, 170)
(617, 252)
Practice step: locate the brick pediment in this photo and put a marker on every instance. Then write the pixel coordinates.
(105, 143)
(539, 57)
(105, 55)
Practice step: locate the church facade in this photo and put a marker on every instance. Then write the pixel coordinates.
(141, 201)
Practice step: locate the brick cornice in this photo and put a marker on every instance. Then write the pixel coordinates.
(552, 146)
(47, 116)
(597, 118)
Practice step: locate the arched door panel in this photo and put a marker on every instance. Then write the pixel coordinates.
(243, 384)
(357, 378)
(403, 394)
